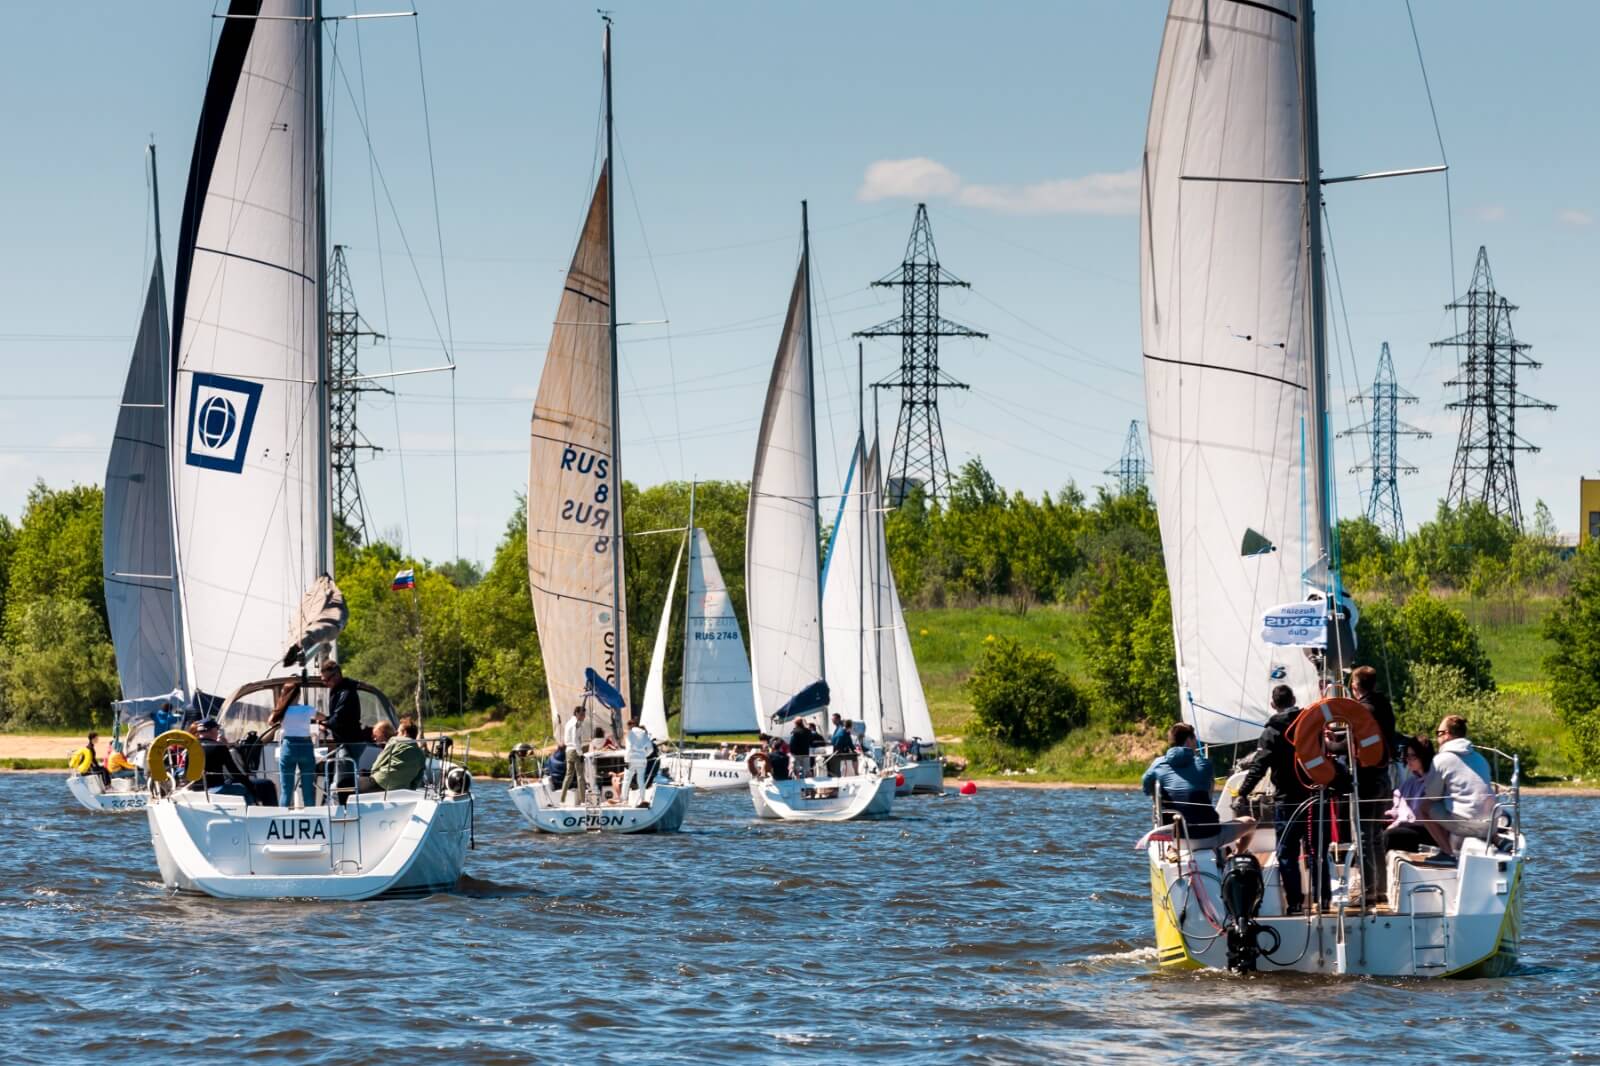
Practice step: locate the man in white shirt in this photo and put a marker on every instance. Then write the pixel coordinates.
(638, 759)
(1460, 784)
(572, 740)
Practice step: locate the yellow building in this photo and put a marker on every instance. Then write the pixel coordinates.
(1588, 510)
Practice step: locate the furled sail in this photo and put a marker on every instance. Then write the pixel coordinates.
(1224, 291)
(142, 601)
(250, 429)
(653, 711)
(717, 697)
(573, 546)
(781, 527)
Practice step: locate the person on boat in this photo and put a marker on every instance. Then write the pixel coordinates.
(297, 755)
(164, 719)
(637, 775)
(801, 741)
(1185, 779)
(1461, 788)
(601, 742)
(343, 722)
(843, 744)
(86, 762)
(223, 773)
(1373, 784)
(402, 761)
(1275, 760)
(117, 764)
(1409, 829)
(573, 742)
(555, 767)
(778, 759)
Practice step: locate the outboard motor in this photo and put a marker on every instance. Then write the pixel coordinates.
(1242, 889)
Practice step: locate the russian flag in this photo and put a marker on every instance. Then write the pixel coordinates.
(405, 579)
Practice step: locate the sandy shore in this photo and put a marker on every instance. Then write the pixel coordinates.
(33, 746)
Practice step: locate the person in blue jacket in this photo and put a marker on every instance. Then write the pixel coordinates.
(1185, 779)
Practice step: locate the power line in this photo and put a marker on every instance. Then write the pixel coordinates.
(1384, 430)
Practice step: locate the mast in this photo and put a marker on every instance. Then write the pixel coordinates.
(688, 601)
(811, 423)
(618, 636)
(861, 549)
(1317, 386)
(324, 460)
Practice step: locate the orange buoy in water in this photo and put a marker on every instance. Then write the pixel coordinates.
(899, 780)
(969, 788)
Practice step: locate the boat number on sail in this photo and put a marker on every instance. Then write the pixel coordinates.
(595, 512)
(297, 829)
(221, 413)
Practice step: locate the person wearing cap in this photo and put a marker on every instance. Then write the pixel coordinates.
(223, 772)
(572, 740)
(343, 723)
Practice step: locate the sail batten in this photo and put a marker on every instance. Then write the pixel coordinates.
(1226, 332)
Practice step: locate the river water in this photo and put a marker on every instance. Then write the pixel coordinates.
(1013, 926)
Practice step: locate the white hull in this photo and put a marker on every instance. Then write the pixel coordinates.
(664, 814)
(123, 798)
(831, 799)
(396, 842)
(925, 777)
(707, 773)
(1441, 919)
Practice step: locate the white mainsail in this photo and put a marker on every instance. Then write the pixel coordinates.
(880, 591)
(250, 426)
(573, 546)
(1227, 339)
(142, 602)
(717, 697)
(653, 711)
(781, 526)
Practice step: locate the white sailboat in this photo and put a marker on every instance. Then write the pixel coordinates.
(716, 696)
(254, 525)
(784, 589)
(138, 556)
(575, 542)
(867, 638)
(1236, 387)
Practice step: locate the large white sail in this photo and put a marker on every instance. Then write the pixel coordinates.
(653, 711)
(781, 527)
(1227, 356)
(574, 551)
(251, 463)
(717, 697)
(140, 563)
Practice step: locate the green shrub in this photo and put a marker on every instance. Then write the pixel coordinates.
(1574, 664)
(58, 667)
(1426, 630)
(1021, 698)
(1439, 690)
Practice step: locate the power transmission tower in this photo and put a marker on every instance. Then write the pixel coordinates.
(919, 456)
(1485, 466)
(1385, 429)
(345, 440)
(1131, 469)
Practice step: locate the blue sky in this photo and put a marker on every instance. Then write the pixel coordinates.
(1021, 122)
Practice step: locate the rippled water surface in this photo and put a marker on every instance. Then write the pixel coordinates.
(1013, 926)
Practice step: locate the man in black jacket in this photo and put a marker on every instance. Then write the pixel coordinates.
(801, 742)
(1373, 785)
(344, 722)
(1291, 815)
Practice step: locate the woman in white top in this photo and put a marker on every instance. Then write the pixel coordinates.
(297, 756)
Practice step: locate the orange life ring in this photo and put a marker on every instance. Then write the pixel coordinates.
(758, 765)
(1305, 733)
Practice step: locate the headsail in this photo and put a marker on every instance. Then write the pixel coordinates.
(1224, 287)
(716, 675)
(653, 711)
(142, 602)
(781, 526)
(572, 536)
(250, 430)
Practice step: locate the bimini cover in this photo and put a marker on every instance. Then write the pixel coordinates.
(141, 708)
(808, 699)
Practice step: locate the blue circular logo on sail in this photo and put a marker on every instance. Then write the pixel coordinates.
(216, 421)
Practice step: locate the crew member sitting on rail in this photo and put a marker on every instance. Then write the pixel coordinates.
(1185, 779)
(1460, 787)
(85, 762)
(1410, 827)
(402, 761)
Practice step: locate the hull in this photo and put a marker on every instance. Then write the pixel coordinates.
(824, 799)
(924, 778)
(707, 773)
(123, 798)
(395, 843)
(1440, 920)
(668, 804)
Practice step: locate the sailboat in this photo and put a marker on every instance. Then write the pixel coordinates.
(715, 696)
(575, 535)
(139, 561)
(867, 638)
(1236, 384)
(783, 584)
(254, 526)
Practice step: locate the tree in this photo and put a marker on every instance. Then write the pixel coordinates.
(497, 618)
(56, 551)
(1020, 697)
(1130, 649)
(1573, 629)
(1424, 632)
(1438, 690)
(58, 667)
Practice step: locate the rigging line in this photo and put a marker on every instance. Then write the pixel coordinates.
(1088, 356)
(661, 297)
(1338, 285)
(833, 436)
(1013, 408)
(1449, 210)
